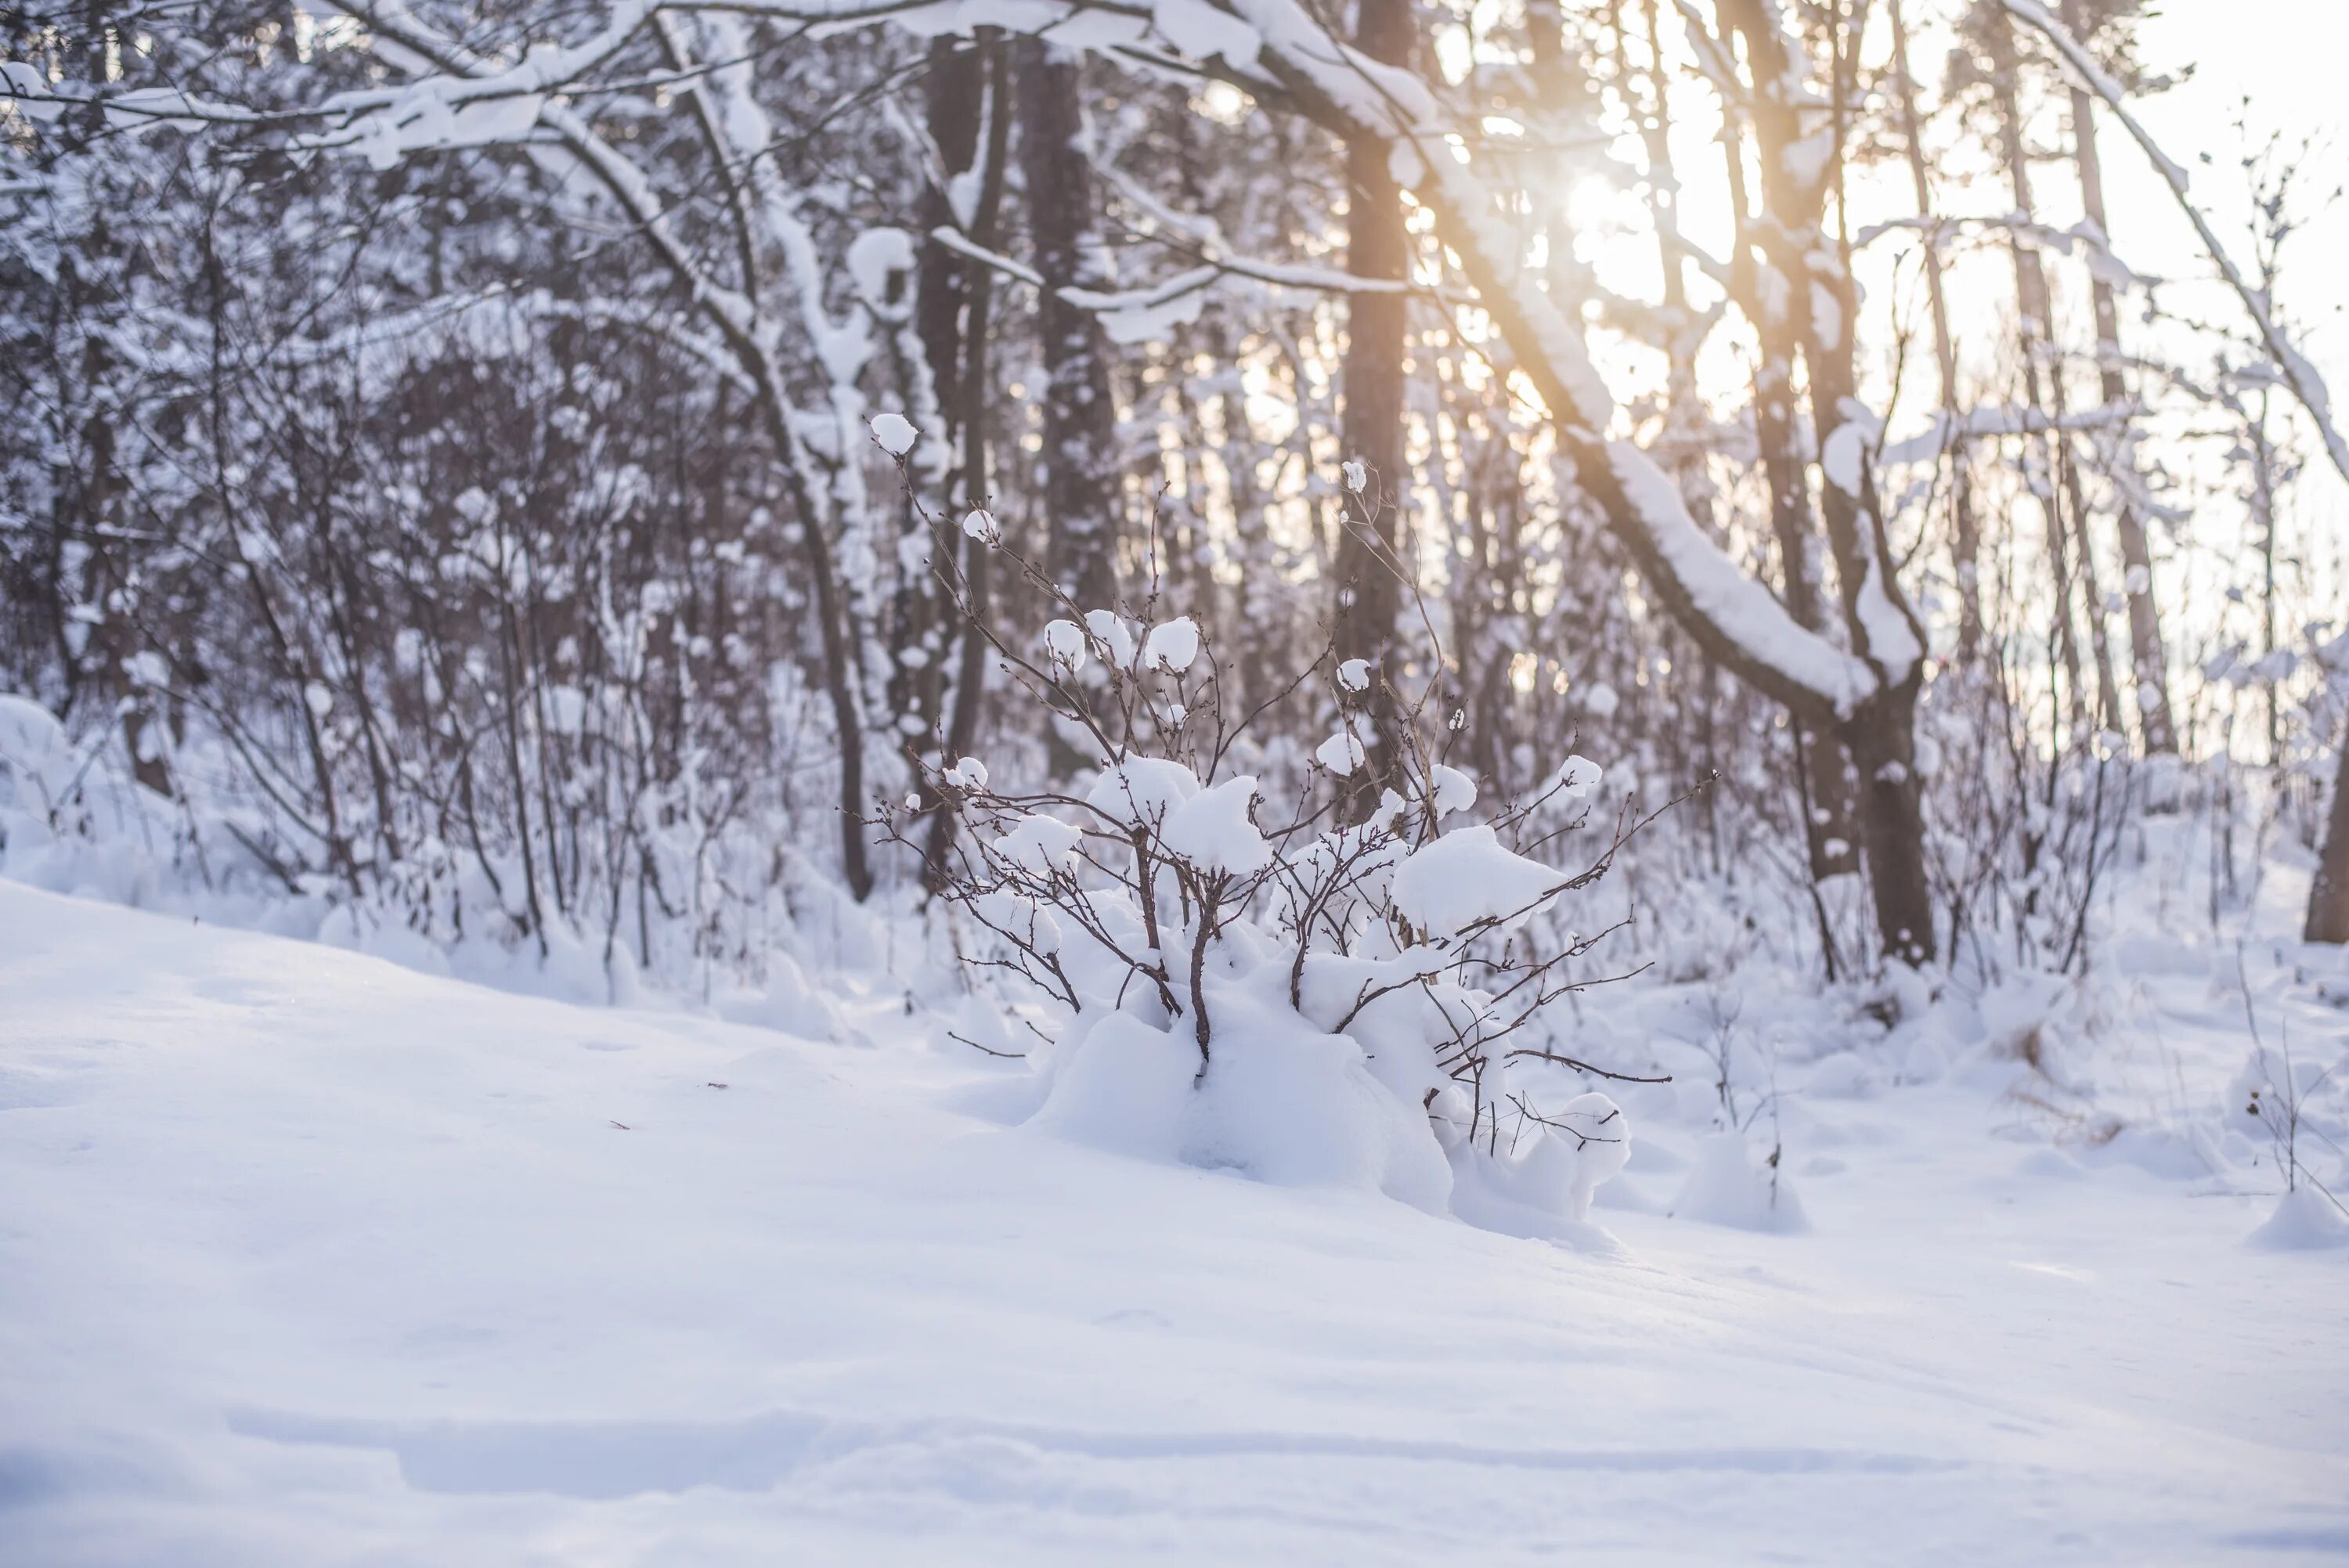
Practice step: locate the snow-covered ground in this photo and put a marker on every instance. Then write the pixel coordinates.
(306, 1259)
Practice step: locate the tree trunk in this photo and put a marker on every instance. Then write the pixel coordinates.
(1820, 304)
(1965, 529)
(1881, 737)
(1781, 305)
(1370, 423)
(921, 621)
(955, 308)
(106, 580)
(2148, 668)
(954, 95)
(2328, 892)
(1077, 482)
(2035, 309)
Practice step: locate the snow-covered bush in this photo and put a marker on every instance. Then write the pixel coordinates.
(1250, 976)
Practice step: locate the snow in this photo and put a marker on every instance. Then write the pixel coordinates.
(1040, 844)
(1140, 790)
(1453, 790)
(34, 749)
(1844, 457)
(2303, 1220)
(1468, 878)
(1892, 641)
(1172, 646)
(1741, 608)
(878, 261)
(309, 1254)
(1113, 635)
(1064, 643)
(1725, 1187)
(1294, 1108)
(1212, 829)
(1340, 754)
(894, 433)
(979, 523)
(1354, 674)
(1577, 780)
(1202, 31)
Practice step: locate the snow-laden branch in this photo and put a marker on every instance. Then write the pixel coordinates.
(1990, 419)
(2084, 236)
(2298, 373)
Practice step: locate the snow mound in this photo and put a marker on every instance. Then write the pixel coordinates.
(1278, 1103)
(1841, 1075)
(1725, 1188)
(1543, 1186)
(2305, 1220)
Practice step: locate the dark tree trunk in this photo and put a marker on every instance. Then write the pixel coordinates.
(1371, 424)
(1782, 312)
(1881, 736)
(1079, 478)
(954, 307)
(1821, 304)
(2328, 893)
(106, 583)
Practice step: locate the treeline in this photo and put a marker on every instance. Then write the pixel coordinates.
(441, 465)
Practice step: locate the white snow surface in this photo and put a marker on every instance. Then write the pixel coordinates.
(312, 1260)
(1213, 830)
(1340, 754)
(1172, 646)
(1466, 878)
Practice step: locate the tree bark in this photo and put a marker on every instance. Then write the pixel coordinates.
(2033, 308)
(1965, 529)
(1079, 478)
(1881, 737)
(1371, 422)
(945, 287)
(954, 312)
(2148, 668)
(1820, 302)
(2328, 892)
(1786, 325)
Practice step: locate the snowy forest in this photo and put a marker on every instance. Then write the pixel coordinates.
(1705, 639)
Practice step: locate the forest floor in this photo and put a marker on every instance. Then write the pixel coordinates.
(310, 1260)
